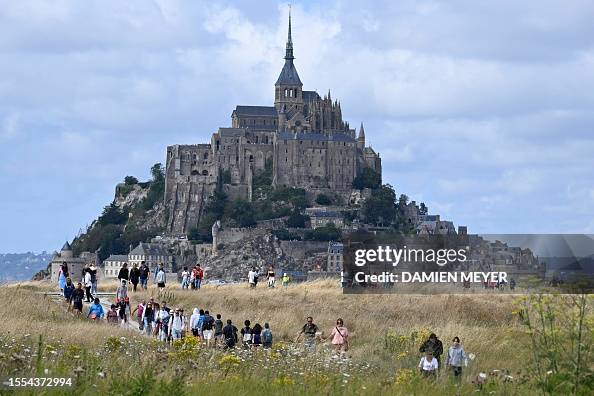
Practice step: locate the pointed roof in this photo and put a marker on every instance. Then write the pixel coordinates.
(289, 75)
(361, 132)
(66, 247)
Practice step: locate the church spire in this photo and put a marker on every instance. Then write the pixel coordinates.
(289, 50)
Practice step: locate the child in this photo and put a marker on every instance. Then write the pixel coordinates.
(267, 336)
(112, 315)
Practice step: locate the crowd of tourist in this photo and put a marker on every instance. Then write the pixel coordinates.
(159, 321)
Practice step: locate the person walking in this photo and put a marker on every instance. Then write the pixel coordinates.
(134, 276)
(267, 336)
(340, 337)
(112, 315)
(456, 357)
(270, 277)
(161, 278)
(88, 285)
(194, 323)
(252, 274)
(199, 276)
(230, 335)
(285, 279)
(78, 295)
(144, 275)
(124, 273)
(176, 325)
(435, 346)
(139, 310)
(429, 364)
(148, 318)
(96, 311)
(93, 272)
(208, 328)
(309, 331)
(246, 335)
(68, 290)
(163, 318)
(185, 278)
(257, 335)
(61, 278)
(218, 331)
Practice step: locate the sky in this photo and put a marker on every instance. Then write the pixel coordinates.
(482, 110)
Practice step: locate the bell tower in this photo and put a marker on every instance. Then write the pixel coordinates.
(288, 90)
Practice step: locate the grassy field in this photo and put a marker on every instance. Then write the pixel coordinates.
(385, 334)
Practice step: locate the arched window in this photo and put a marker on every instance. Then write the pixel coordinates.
(206, 155)
(204, 172)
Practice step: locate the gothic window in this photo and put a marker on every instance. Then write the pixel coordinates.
(205, 173)
(205, 155)
(251, 158)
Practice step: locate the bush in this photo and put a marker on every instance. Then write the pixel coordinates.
(323, 199)
(285, 235)
(130, 180)
(368, 179)
(297, 220)
(380, 208)
(327, 233)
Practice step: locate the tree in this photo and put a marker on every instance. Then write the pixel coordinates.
(403, 200)
(329, 232)
(380, 208)
(130, 180)
(323, 199)
(368, 178)
(297, 220)
(243, 213)
(112, 214)
(423, 209)
(158, 172)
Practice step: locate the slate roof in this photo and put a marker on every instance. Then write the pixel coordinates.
(117, 257)
(289, 75)
(150, 249)
(255, 111)
(66, 247)
(315, 136)
(310, 96)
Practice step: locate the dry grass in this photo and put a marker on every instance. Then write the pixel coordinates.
(484, 322)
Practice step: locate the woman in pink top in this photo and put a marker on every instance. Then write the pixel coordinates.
(340, 337)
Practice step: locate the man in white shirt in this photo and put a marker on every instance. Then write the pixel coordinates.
(252, 278)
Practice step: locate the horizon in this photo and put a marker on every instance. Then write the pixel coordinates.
(496, 137)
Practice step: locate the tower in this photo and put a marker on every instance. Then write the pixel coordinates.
(361, 138)
(288, 92)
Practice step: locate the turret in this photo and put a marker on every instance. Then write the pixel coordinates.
(361, 137)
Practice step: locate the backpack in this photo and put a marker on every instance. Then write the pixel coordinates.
(267, 336)
(208, 323)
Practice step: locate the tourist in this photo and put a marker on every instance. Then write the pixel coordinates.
(194, 323)
(252, 275)
(139, 311)
(124, 273)
(193, 275)
(96, 310)
(429, 364)
(285, 279)
(456, 357)
(156, 324)
(61, 278)
(68, 289)
(148, 317)
(230, 335)
(163, 318)
(112, 315)
(88, 285)
(78, 296)
(340, 337)
(246, 334)
(199, 276)
(267, 336)
(512, 284)
(124, 310)
(144, 274)
(185, 278)
(134, 276)
(176, 325)
(257, 335)
(208, 328)
(218, 331)
(161, 278)
(122, 291)
(309, 331)
(93, 272)
(435, 345)
(270, 276)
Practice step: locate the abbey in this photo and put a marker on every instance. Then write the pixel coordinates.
(303, 137)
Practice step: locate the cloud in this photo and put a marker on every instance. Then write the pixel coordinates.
(483, 111)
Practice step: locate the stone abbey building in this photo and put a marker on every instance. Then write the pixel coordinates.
(303, 136)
